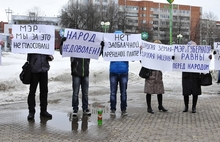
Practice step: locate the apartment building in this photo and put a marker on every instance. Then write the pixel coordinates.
(144, 14)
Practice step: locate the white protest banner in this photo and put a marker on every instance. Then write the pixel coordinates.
(216, 57)
(122, 47)
(0, 50)
(192, 58)
(33, 39)
(82, 44)
(157, 56)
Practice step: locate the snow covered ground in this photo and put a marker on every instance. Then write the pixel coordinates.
(13, 91)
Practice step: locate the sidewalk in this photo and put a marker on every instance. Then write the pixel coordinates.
(138, 126)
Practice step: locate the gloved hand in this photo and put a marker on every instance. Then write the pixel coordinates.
(214, 52)
(173, 57)
(61, 44)
(102, 44)
(210, 57)
(63, 39)
(50, 58)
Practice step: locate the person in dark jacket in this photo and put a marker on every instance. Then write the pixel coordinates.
(39, 68)
(191, 86)
(80, 77)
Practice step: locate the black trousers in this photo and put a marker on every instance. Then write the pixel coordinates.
(42, 79)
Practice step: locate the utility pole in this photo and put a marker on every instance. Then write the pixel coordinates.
(8, 13)
(171, 20)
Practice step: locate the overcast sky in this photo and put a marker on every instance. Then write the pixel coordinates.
(48, 7)
(52, 7)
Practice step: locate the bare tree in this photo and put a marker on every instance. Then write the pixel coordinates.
(209, 29)
(89, 16)
(111, 15)
(209, 16)
(70, 16)
(122, 23)
(34, 15)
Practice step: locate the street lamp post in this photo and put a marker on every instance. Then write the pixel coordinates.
(179, 38)
(171, 20)
(105, 25)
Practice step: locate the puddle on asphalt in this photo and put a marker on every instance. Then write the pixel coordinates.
(64, 121)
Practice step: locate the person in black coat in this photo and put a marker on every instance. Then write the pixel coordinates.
(191, 85)
(39, 75)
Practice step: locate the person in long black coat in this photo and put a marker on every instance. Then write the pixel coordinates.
(191, 85)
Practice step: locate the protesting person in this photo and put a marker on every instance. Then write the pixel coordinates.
(118, 76)
(154, 85)
(191, 86)
(40, 67)
(80, 77)
(39, 74)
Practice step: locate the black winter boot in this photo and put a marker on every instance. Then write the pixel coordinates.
(44, 113)
(186, 102)
(195, 98)
(148, 100)
(160, 106)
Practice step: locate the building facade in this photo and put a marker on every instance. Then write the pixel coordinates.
(156, 16)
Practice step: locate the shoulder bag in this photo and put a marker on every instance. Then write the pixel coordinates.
(25, 75)
(206, 79)
(145, 73)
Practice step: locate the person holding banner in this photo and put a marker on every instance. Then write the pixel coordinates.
(80, 77)
(39, 74)
(154, 85)
(118, 75)
(191, 86)
(39, 68)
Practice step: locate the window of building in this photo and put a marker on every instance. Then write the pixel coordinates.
(155, 22)
(143, 8)
(132, 15)
(154, 15)
(132, 8)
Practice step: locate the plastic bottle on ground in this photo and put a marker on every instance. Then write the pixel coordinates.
(100, 115)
